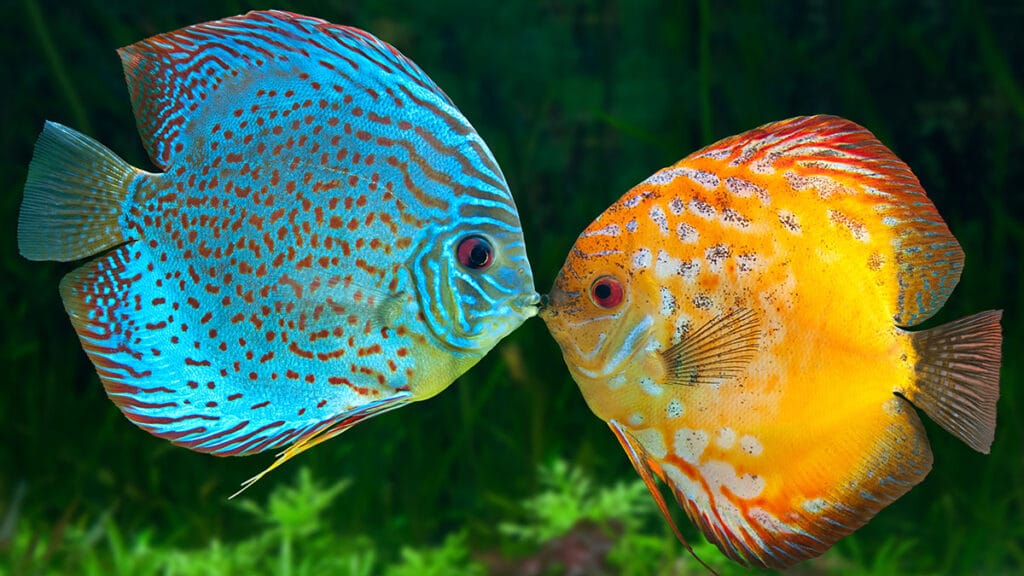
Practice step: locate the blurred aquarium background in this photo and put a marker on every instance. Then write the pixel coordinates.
(508, 472)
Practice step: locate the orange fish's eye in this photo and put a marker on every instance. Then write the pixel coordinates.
(606, 292)
(475, 253)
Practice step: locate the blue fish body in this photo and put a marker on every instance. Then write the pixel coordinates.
(328, 239)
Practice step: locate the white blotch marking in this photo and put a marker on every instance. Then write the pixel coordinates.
(616, 382)
(631, 225)
(636, 419)
(652, 440)
(665, 176)
(689, 270)
(688, 234)
(676, 206)
(702, 301)
(718, 474)
(612, 230)
(745, 189)
(789, 221)
(765, 164)
(649, 387)
(689, 444)
(641, 259)
(690, 489)
(827, 166)
(659, 219)
(682, 324)
(769, 522)
(890, 221)
(702, 208)
(638, 198)
(746, 262)
(706, 179)
(825, 187)
(751, 445)
(668, 302)
(815, 506)
(726, 438)
(730, 216)
(675, 408)
(716, 255)
(665, 266)
(717, 153)
(856, 228)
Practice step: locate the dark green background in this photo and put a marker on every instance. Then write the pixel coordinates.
(578, 101)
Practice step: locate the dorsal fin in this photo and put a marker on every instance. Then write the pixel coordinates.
(830, 152)
(171, 76)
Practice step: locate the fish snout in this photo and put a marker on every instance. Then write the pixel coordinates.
(552, 302)
(531, 304)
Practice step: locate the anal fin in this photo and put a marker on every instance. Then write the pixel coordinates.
(647, 467)
(329, 429)
(103, 298)
(774, 510)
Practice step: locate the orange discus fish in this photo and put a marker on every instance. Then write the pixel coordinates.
(740, 321)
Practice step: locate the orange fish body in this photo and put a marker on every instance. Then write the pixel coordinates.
(736, 319)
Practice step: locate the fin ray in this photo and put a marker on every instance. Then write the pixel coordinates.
(172, 76)
(74, 197)
(327, 430)
(958, 376)
(719, 349)
(647, 467)
(829, 154)
(794, 517)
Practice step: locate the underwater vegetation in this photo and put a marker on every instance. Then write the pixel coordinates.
(578, 102)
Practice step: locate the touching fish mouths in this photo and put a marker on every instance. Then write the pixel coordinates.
(531, 304)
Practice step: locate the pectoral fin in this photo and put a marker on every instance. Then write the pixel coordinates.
(717, 350)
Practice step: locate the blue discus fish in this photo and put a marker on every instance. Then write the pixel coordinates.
(329, 239)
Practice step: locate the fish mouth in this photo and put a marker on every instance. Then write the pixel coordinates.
(544, 305)
(531, 304)
(552, 302)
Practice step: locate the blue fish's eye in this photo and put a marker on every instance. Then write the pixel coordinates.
(475, 253)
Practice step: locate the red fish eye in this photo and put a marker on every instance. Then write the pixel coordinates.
(606, 292)
(475, 253)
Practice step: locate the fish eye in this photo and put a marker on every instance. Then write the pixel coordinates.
(475, 253)
(606, 292)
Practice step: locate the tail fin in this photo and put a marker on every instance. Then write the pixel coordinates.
(74, 197)
(958, 376)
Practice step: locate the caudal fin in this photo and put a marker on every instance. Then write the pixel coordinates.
(958, 376)
(74, 197)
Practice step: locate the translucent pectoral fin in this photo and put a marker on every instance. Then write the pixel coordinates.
(717, 350)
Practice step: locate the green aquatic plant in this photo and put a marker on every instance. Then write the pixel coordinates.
(568, 497)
